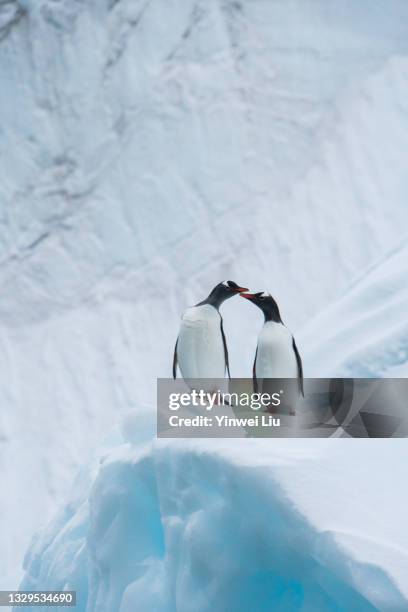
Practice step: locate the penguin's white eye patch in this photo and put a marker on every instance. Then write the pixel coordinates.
(265, 294)
(225, 283)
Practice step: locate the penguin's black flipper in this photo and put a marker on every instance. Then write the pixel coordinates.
(175, 361)
(225, 349)
(254, 378)
(300, 367)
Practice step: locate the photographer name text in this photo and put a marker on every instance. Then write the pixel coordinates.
(264, 420)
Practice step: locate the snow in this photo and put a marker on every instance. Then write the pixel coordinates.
(149, 150)
(170, 526)
(367, 329)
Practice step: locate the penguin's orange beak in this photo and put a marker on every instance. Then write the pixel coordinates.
(248, 296)
(241, 290)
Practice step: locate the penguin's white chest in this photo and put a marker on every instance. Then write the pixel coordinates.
(200, 348)
(276, 357)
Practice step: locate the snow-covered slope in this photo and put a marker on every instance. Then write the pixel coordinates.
(149, 149)
(365, 333)
(182, 528)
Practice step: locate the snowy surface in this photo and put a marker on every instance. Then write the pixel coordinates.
(189, 527)
(367, 329)
(149, 150)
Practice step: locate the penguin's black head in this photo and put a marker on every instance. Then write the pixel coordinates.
(222, 292)
(266, 303)
(229, 288)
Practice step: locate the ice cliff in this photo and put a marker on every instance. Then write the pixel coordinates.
(149, 148)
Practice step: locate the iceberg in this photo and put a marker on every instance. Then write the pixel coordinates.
(173, 526)
(148, 150)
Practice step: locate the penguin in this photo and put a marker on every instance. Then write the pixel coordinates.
(201, 348)
(276, 355)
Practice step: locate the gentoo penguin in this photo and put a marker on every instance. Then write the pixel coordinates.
(201, 349)
(276, 355)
